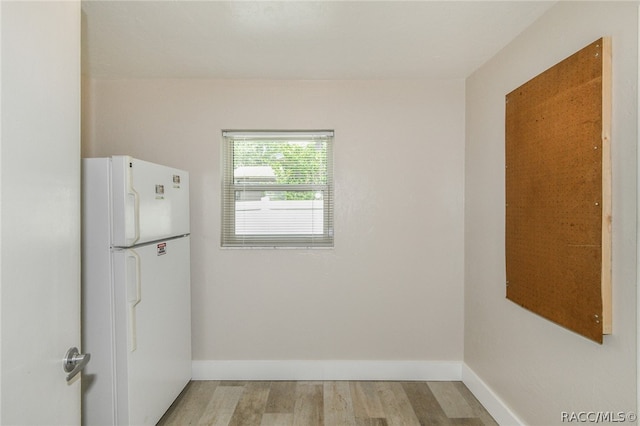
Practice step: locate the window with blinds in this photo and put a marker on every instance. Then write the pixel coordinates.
(277, 189)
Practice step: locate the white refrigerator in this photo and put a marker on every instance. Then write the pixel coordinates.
(136, 299)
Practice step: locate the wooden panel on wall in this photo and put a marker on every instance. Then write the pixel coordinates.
(558, 198)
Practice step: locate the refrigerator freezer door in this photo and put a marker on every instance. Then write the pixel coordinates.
(153, 324)
(150, 201)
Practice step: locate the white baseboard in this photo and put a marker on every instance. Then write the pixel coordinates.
(494, 405)
(327, 370)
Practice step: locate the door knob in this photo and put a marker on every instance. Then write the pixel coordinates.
(74, 362)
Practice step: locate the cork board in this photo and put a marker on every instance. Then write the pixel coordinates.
(558, 196)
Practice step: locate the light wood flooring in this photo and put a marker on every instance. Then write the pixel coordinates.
(326, 403)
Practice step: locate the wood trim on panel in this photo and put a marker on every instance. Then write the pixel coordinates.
(606, 186)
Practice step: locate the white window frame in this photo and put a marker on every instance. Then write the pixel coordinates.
(229, 237)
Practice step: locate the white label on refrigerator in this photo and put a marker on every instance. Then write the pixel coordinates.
(159, 192)
(162, 249)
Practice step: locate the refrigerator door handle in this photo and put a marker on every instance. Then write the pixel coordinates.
(136, 212)
(134, 296)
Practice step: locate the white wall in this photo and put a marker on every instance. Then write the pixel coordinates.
(391, 289)
(536, 367)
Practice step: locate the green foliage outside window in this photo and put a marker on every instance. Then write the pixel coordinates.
(293, 162)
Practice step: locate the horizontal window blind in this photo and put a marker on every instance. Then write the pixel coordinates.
(277, 189)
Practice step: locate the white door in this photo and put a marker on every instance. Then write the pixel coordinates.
(40, 211)
(153, 336)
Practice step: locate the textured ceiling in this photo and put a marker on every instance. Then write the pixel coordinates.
(298, 39)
